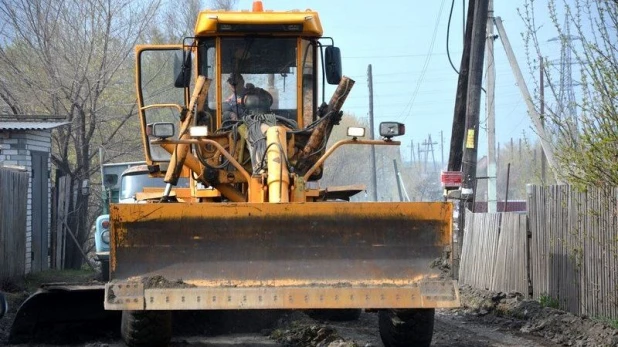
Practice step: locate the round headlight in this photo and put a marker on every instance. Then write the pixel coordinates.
(105, 236)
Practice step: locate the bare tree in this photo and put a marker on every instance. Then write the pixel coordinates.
(179, 21)
(73, 58)
(583, 127)
(222, 4)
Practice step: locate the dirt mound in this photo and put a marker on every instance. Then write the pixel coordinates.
(512, 310)
(297, 329)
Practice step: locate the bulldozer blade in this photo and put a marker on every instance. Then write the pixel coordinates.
(41, 316)
(375, 246)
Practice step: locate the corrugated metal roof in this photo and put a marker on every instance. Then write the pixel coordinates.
(30, 125)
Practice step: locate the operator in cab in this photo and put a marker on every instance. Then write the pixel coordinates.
(244, 99)
(232, 105)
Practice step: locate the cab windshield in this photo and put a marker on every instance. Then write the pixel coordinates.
(262, 67)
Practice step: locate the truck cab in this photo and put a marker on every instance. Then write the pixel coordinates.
(123, 183)
(111, 180)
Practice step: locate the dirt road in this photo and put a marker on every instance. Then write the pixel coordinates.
(297, 329)
(485, 319)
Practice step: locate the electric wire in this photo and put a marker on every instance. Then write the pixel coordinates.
(448, 31)
(425, 65)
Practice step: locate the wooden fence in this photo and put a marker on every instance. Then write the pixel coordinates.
(494, 252)
(13, 212)
(567, 251)
(574, 248)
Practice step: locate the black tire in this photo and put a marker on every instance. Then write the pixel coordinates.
(146, 328)
(407, 328)
(336, 315)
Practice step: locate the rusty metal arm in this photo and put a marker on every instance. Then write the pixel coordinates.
(225, 153)
(178, 107)
(340, 143)
(180, 152)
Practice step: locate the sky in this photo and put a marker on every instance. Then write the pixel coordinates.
(413, 81)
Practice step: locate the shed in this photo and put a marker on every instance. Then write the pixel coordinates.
(25, 141)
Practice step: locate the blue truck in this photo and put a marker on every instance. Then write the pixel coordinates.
(111, 178)
(121, 184)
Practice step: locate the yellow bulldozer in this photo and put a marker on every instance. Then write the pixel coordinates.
(235, 109)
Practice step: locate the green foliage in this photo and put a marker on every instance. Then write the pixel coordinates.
(525, 168)
(586, 142)
(547, 301)
(611, 322)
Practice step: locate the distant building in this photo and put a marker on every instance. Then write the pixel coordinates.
(25, 142)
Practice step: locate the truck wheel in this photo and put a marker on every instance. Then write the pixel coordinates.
(146, 328)
(407, 328)
(337, 315)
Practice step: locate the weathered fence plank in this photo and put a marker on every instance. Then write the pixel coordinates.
(494, 252)
(13, 212)
(575, 239)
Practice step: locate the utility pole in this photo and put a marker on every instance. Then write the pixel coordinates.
(473, 104)
(542, 114)
(374, 179)
(397, 177)
(459, 114)
(433, 157)
(441, 149)
(476, 36)
(490, 107)
(534, 115)
(428, 146)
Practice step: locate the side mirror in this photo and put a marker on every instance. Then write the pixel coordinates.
(182, 69)
(332, 63)
(392, 129)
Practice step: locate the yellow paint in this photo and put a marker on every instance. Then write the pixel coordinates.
(445, 294)
(278, 174)
(140, 101)
(208, 21)
(470, 139)
(440, 212)
(419, 211)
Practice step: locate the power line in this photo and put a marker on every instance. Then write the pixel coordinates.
(448, 31)
(426, 64)
(391, 56)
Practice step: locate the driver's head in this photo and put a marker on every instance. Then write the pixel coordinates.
(235, 79)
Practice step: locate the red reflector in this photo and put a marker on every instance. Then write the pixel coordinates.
(105, 224)
(451, 179)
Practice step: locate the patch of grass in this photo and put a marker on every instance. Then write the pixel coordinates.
(611, 322)
(547, 301)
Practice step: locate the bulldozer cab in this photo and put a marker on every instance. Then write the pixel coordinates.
(254, 65)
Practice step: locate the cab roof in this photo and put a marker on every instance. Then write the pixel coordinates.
(295, 22)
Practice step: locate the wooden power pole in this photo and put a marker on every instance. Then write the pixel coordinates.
(490, 107)
(473, 104)
(459, 114)
(374, 179)
(535, 117)
(476, 35)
